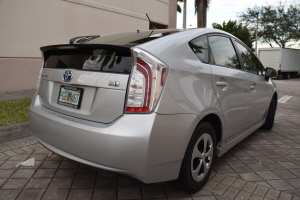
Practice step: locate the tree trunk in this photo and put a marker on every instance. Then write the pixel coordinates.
(184, 14)
(201, 14)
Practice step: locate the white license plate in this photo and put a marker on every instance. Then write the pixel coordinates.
(70, 96)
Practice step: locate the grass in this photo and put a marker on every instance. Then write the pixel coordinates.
(14, 111)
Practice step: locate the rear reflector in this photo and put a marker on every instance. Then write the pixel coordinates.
(146, 83)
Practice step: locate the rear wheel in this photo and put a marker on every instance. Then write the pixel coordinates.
(279, 76)
(198, 160)
(287, 75)
(270, 116)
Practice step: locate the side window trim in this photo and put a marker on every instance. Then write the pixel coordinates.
(233, 40)
(240, 57)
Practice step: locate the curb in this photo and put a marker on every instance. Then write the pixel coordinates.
(14, 131)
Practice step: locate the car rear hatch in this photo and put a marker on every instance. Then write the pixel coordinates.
(85, 81)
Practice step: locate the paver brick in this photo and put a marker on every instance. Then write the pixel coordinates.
(239, 184)
(284, 174)
(218, 177)
(267, 175)
(80, 194)
(228, 180)
(9, 194)
(243, 195)
(106, 182)
(261, 191)
(31, 194)
(6, 173)
(105, 194)
(129, 193)
(61, 183)
(220, 189)
(23, 173)
(285, 196)
(231, 192)
(10, 153)
(272, 194)
(153, 192)
(256, 197)
(55, 194)
(38, 183)
(288, 165)
(249, 187)
(83, 183)
(44, 173)
(280, 185)
(250, 176)
(15, 184)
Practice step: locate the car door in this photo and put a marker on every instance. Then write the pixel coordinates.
(231, 84)
(260, 89)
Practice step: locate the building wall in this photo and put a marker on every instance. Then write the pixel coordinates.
(28, 25)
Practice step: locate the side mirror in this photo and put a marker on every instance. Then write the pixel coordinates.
(270, 73)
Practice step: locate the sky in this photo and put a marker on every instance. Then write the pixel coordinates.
(223, 10)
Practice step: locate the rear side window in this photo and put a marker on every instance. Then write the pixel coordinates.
(251, 63)
(92, 59)
(223, 52)
(200, 47)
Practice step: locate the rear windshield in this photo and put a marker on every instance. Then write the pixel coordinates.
(92, 59)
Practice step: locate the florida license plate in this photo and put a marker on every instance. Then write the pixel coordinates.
(70, 96)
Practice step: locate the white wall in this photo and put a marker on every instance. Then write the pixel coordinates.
(26, 25)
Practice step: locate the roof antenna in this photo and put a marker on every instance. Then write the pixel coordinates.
(152, 27)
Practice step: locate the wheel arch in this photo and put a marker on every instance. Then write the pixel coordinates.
(216, 123)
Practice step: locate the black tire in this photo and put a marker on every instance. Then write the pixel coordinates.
(270, 116)
(187, 177)
(279, 76)
(286, 75)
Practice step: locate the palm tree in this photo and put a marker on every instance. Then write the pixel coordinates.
(201, 10)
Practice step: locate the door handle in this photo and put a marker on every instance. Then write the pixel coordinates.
(221, 83)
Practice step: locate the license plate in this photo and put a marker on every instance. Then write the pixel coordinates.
(70, 96)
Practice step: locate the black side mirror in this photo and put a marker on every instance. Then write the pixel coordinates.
(270, 73)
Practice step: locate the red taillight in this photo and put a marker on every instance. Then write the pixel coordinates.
(147, 80)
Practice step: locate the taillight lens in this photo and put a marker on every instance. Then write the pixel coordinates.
(146, 83)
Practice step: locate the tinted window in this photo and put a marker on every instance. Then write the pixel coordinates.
(200, 48)
(92, 59)
(223, 52)
(251, 63)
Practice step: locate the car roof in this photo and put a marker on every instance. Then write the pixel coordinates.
(138, 37)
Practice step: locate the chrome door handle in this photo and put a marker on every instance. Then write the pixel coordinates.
(221, 83)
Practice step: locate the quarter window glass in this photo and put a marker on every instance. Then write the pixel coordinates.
(223, 52)
(251, 63)
(200, 48)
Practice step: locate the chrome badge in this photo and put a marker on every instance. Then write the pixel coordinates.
(114, 83)
(67, 76)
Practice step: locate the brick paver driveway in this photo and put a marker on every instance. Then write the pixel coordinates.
(266, 165)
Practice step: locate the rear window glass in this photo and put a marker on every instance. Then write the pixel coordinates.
(200, 48)
(92, 59)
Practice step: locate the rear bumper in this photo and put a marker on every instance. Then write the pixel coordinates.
(148, 147)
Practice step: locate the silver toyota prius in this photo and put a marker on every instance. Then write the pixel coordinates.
(155, 105)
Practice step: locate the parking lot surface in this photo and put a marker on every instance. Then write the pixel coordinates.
(266, 165)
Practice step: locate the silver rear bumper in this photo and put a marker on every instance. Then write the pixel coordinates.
(148, 147)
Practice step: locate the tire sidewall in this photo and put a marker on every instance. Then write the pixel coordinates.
(185, 177)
